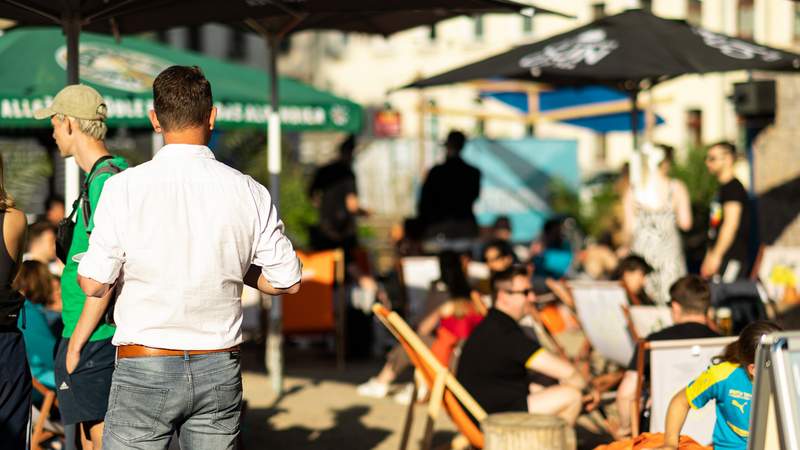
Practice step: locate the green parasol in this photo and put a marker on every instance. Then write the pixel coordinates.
(34, 69)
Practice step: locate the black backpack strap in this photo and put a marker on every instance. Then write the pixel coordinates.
(86, 207)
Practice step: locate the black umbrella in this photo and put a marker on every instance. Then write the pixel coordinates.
(274, 18)
(627, 51)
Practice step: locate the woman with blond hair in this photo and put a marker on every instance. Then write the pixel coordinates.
(15, 376)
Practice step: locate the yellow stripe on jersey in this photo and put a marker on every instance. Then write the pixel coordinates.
(707, 379)
(533, 356)
(737, 430)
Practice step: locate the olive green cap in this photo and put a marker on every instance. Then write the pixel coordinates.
(78, 101)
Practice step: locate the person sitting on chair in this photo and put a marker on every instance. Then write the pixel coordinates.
(498, 358)
(689, 304)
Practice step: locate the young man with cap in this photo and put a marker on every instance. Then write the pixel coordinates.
(85, 357)
(689, 304)
(178, 235)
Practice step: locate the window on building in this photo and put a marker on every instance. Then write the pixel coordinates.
(646, 5)
(598, 10)
(744, 19)
(796, 27)
(195, 41)
(694, 12)
(237, 46)
(432, 32)
(478, 20)
(527, 24)
(694, 127)
(162, 36)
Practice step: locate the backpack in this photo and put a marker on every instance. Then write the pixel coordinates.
(66, 227)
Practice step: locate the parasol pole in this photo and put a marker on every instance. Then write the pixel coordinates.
(71, 25)
(634, 94)
(274, 349)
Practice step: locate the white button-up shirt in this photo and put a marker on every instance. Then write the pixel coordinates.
(180, 232)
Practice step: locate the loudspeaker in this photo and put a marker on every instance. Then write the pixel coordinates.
(754, 98)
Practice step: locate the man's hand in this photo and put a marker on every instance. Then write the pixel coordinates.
(711, 264)
(592, 400)
(73, 358)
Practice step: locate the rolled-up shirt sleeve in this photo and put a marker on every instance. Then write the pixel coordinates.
(103, 260)
(274, 252)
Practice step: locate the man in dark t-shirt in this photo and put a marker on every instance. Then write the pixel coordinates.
(729, 222)
(333, 189)
(497, 357)
(449, 191)
(690, 299)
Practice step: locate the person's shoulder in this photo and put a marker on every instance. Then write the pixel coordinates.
(718, 373)
(15, 220)
(735, 187)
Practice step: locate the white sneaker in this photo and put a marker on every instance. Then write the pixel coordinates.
(373, 388)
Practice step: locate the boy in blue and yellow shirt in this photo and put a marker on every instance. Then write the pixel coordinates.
(730, 384)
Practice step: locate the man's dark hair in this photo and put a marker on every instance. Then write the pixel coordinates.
(182, 98)
(39, 228)
(632, 263)
(53, 199)
(503, 247)
(502, 280)
(669, 152)
(692, 293)
(348, 145)
(727, 147)
(502, 223)
(455, 141)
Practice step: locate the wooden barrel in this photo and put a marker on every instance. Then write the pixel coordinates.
(520, 430)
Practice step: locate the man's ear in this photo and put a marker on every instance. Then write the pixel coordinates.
(70, 124)
(212, 118)
(154, 121)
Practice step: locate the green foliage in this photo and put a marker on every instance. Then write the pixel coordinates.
(693, 173)
(594, 217)
(246, 150)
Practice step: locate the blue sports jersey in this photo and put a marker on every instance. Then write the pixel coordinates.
(730, 386)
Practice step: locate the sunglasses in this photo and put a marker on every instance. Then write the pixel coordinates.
(525, 292)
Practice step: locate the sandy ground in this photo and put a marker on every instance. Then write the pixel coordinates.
(321, 409)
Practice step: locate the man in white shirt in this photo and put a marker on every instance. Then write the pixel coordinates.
(179, 235)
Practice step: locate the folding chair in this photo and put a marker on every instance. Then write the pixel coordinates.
(445, 389)
(40, 433)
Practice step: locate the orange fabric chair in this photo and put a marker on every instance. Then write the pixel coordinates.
(318, 307)
(652, 440)
(445, 389)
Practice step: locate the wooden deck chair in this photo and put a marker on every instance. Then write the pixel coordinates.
(41, 433)
(319, 307)
(445, 389)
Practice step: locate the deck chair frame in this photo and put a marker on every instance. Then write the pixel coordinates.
(39, 433)
(446, 391)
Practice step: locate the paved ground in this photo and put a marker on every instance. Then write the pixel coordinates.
(321, 410)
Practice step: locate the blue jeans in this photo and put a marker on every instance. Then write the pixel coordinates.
(199, 397)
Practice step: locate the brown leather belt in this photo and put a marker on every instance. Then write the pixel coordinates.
(139, 351)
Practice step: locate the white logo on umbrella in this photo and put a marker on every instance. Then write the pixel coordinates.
(736, 48)
(589, 47)
(114, 67)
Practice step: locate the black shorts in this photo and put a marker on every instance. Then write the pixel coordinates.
(83, 394)
(15, 391)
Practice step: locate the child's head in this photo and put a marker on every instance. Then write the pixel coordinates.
(690, 296)
(34, 282)
(632, 272)
(743, 351)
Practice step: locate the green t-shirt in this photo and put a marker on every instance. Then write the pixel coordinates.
(72, 296)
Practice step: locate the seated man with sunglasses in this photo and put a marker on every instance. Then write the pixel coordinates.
(498, 358)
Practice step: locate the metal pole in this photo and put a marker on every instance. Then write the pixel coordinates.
(72, 30)
(274, 347)
(634, 94)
